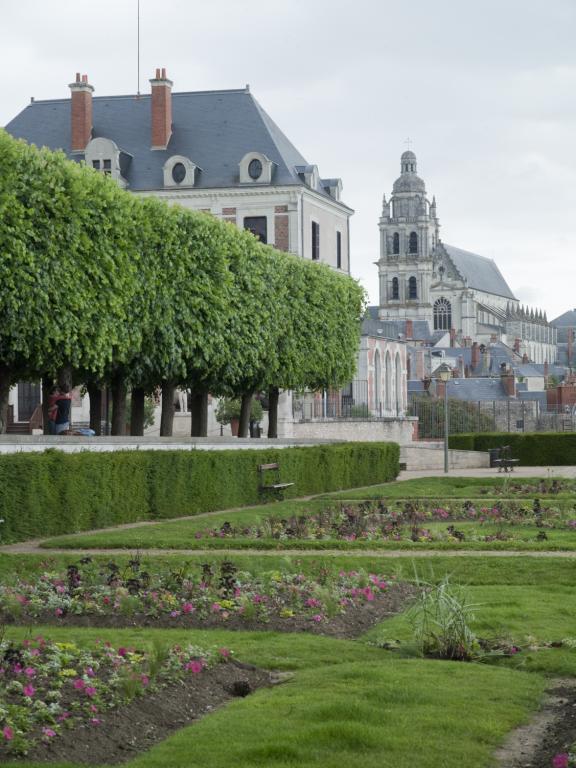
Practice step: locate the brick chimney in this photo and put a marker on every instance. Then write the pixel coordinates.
(81, 113)
(475, 359)
(508, 382)
(517, 346)
(409, 329)
(161, 110)
(452, 337)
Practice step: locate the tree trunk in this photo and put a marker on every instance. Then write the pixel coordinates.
(5, 384)
(273, 397)
(199, 413)
(119, 392)
(95, 396)
(167, 418)
(47, 384)
(65, 378)
(137, 411)
(245, 407)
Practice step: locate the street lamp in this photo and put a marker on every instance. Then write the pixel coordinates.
(445, 374)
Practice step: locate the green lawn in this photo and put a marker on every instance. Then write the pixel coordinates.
(458, 488)
(353, 703)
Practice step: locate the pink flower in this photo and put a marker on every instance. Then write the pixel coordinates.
(63, 716)
(90, 691)
(561, 760)
(79, 684)
(145, 680)
(317, 617)
(122, 651)
(58, 612)
(224, 652)
(188, 608)
(29, 691)
(90, 672)
(216, 607)
(48, 732)
(29, 672)
(8, 733)
(194, 666)
(95, 721)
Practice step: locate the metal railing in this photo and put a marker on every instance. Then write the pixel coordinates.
(487, 416)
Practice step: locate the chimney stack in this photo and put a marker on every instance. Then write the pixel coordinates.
(409, 329)
(475, 359)
(452, 337)
(81, 113)
(509, 382)
(161, 101)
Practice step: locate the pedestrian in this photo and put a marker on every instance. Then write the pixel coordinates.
(53, 408)
(64, 409)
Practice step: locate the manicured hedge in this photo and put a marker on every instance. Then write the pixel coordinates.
(536, 449)
(51, 493)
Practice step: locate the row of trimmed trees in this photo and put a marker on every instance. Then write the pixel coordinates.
(103, 288)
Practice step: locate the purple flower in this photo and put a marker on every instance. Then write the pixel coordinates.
(561, 760)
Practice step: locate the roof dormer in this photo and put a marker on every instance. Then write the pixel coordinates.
(179, 171)
(332, 187)
(256, 168)
(309, 175)
(105, 156)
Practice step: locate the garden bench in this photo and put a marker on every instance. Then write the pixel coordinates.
(276, 487)
(504, 461)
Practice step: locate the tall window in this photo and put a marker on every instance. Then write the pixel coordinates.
(396, 243)
(413, 242)
(258, 225)
(315, 241)
(412, 288)
(339, 250)
(442, 314)
(395, 288)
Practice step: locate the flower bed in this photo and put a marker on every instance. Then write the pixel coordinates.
(398, 521)
(50, 690)
(93, 596)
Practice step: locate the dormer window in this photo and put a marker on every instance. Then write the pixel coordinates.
(256, 168)
(104, 156)
(179, 171)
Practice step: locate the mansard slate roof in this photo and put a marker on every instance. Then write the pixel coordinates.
(214, 129)
(567, 320)
(480, 272)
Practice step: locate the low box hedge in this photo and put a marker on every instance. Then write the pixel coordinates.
(51, 493)
(532, 449)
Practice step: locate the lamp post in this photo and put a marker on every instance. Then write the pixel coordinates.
(445, 375)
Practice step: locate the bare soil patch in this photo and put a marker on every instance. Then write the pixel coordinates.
(351, 624)
(551, 731)
(125, 732)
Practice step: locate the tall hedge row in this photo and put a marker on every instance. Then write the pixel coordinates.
(536, 449)
(50, 493)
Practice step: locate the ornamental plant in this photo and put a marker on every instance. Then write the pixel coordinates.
(48, 687)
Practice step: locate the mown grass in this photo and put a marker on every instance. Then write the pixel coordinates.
(347, 704)
(457, 488)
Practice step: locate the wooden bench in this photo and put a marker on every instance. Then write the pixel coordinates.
(505, 461)
(276, 487)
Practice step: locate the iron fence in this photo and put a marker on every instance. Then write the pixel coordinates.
(350, 402)
(487, 416)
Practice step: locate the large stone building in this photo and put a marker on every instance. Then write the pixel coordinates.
(214, 151)
(448, 289)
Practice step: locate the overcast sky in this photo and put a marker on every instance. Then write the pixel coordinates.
(485, 91)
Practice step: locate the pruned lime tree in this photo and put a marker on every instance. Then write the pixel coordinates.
(108, 289)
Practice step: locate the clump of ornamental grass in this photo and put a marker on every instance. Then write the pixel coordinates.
(441, 618)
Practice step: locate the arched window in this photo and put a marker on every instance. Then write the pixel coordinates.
(395, 288)
(442, 314)
(413, 242)
(399, 394)
(396, 243)
(412, 288)
(388, 383)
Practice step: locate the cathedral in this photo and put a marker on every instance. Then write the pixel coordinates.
(450, 290)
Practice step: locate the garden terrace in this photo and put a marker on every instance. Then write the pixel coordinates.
(361, 701)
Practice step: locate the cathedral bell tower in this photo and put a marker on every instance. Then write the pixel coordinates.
(408, 236)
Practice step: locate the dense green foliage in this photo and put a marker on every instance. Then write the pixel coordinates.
(536, 449)
(127, 290)
(55, 492)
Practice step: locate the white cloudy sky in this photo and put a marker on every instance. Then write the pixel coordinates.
(486, 92)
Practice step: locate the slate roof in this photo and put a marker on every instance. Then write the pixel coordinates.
(567, 320)
(480, 272)
(214, 129)
(474, 390)
(421, 329)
